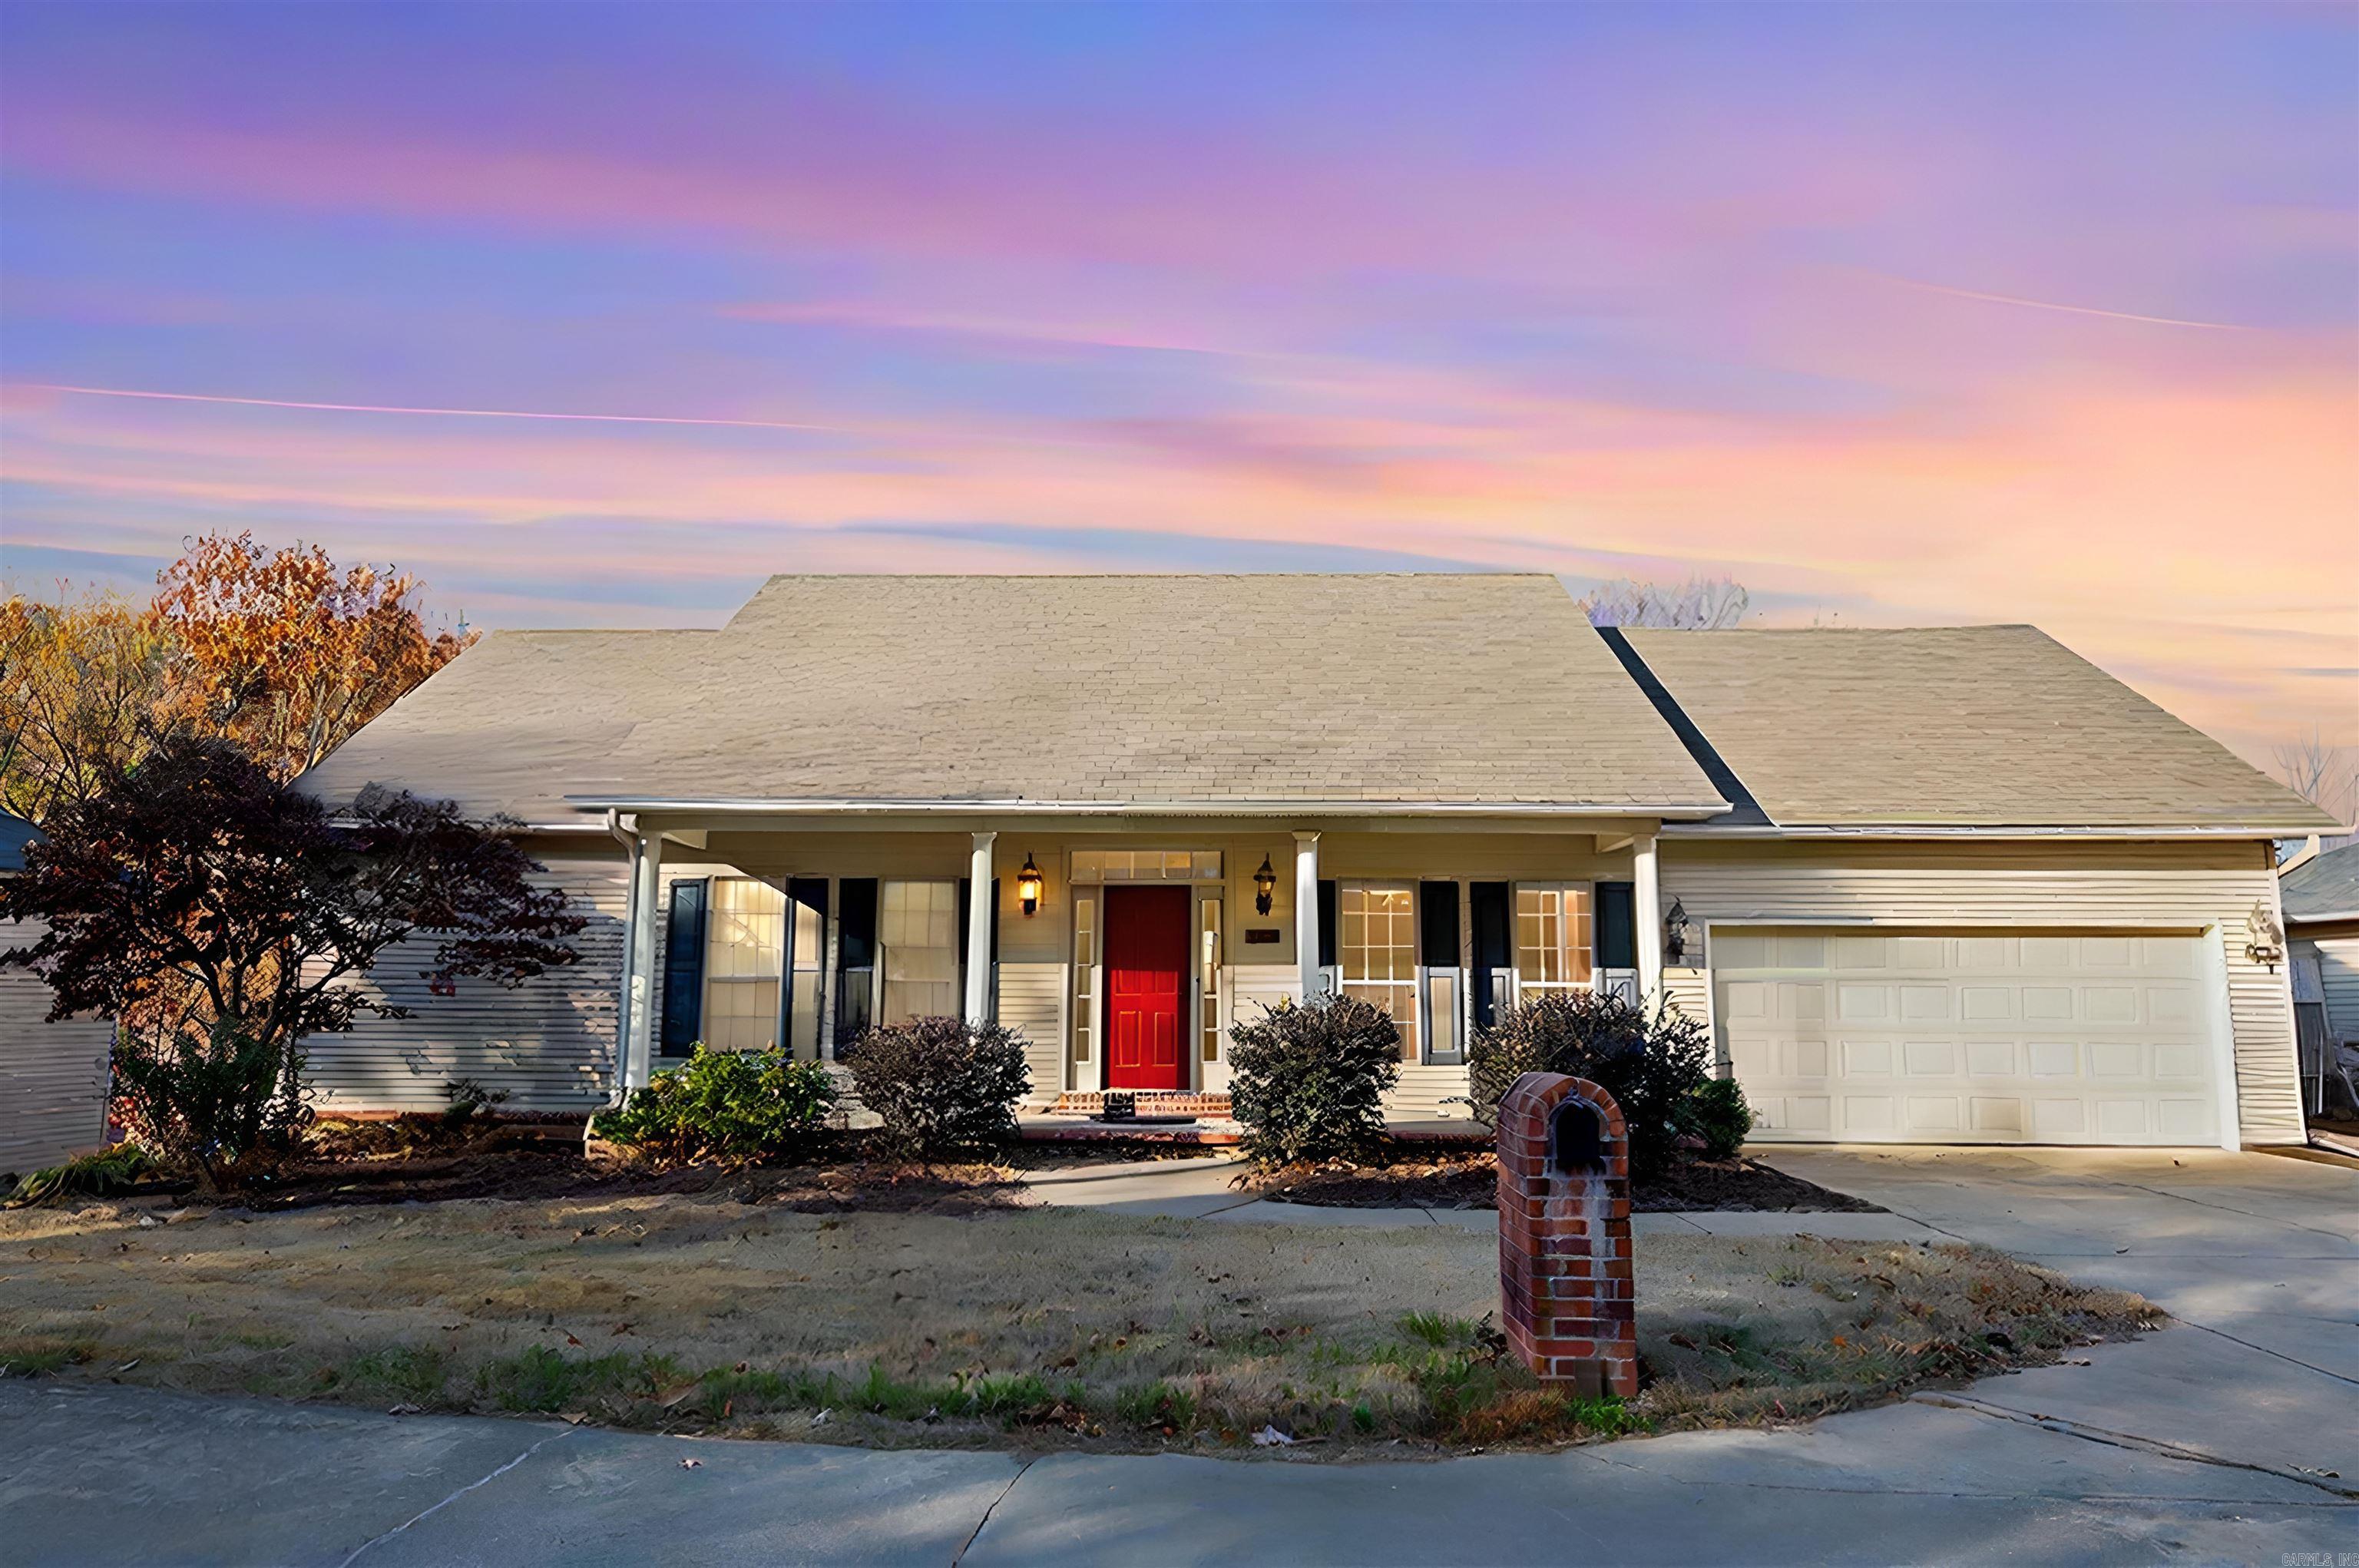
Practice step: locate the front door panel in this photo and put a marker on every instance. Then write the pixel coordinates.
(1145, 968)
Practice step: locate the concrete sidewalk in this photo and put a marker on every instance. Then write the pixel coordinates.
(2230, 1439)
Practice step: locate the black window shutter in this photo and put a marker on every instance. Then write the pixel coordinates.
(1437, 925)
(1327, 958)
(1617, 926)
(855, 950)
(1495, 945)
(856, 946)
(683, 972)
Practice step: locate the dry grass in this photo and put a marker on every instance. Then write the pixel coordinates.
(705, 1312)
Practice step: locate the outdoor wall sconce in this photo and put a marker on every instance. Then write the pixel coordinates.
(2266, 939)
(1675, 933)
(1265, 886)
(1028, 887)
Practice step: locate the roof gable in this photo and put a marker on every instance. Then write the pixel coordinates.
(1965, 726)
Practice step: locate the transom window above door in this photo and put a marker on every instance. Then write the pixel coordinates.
(1146, 865)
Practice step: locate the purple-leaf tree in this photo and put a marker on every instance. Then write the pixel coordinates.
(220, 917)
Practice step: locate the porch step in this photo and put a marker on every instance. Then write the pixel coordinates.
(1151, 1103)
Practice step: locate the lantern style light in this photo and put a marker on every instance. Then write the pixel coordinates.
(1027, 887)
(1675, 933)
(1265, 886)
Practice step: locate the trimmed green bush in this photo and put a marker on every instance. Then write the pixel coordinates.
(942, 1086)
(1716, 1112)
(733, 1107)
(223, 1101)
(1650, 1062)
(1309, 1079)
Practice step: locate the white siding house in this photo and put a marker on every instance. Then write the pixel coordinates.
(1940, 886)
(53, 1077)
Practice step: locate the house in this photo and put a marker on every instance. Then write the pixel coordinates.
(2319, 891)
(53, 1077)
(1948, 886)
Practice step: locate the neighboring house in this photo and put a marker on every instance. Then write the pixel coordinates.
(53, 1077)
(1952, 886)
(2321, 894)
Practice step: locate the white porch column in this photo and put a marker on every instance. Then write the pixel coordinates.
(979, 913)
(1306, 912)
(638, 1021)
(1647, 916)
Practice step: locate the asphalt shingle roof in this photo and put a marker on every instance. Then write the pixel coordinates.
(2323, 887)
(1974, 726)
(1401, 689)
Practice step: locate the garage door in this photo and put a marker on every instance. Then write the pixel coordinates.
(1969, 1037)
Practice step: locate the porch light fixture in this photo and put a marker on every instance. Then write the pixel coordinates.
(1027, 887)
(1265, 886)
(1675, 933)
(2267, 938)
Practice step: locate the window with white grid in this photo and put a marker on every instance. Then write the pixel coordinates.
(1376, 948)
(744, 936)
(1553, 936)
(918, 936)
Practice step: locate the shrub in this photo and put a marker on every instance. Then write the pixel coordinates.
(220, 1102)
(1650, 1064)
(464, 1099)
(734, 1106)
(1715, 1112)
(104, 1174)
(1309, 1078)
(941, 1084)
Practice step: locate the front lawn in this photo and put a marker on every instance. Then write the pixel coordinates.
(745, 1315)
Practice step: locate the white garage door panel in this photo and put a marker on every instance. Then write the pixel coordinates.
(1980, 1038)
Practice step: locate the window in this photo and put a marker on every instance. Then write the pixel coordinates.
(1376, 950)
(918, 938)
(1551, 937)
(745, 934)
(1146, 865)
(1085, 960)
(1208, 975)
(806, 963)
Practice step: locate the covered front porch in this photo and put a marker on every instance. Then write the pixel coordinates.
(1120, 948)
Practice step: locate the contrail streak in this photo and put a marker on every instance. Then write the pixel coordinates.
(2069, 310)
(441, 413)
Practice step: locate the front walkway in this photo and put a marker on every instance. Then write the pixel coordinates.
(2227, 1440)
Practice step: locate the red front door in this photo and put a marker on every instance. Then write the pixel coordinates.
(1146, 1009)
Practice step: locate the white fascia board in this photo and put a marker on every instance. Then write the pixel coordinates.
(1945, 830)
(1686, 811)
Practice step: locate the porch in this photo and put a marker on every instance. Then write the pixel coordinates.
(1120, 950)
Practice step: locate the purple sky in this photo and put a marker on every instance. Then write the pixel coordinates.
(1898, 314)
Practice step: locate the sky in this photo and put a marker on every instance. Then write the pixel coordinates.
(597, 315)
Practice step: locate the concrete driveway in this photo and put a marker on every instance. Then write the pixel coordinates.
(2218, 1440)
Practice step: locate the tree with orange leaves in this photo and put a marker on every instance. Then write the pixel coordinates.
(287, 655)
(278, 651)
(82, 682)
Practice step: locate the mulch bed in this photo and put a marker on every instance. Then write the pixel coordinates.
(418, 1160)
(1470, 1180)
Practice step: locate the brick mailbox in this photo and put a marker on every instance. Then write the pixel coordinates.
(1564, 1234)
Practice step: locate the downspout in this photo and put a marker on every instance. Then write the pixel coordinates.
(614, 1090)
